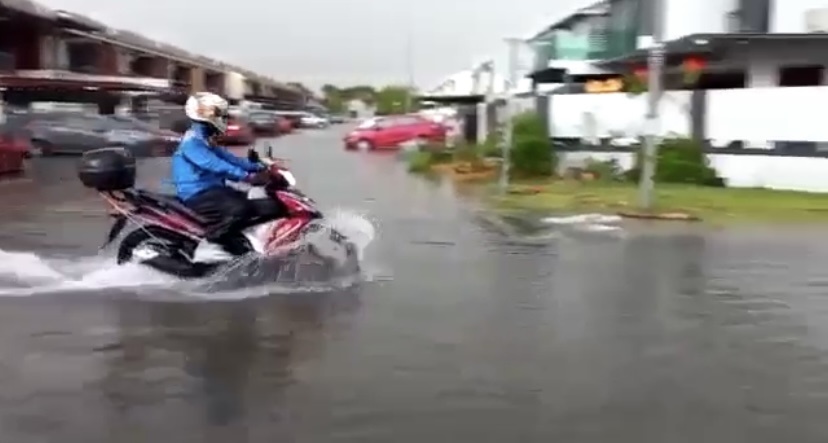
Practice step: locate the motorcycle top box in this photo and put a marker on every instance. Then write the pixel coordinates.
(107, 169)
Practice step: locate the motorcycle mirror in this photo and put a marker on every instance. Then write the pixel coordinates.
(252, 155)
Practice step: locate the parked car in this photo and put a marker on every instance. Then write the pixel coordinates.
(337, 119)
(238, 132)
(173, 118)
(78, 133)
(391, 131)
(294, 117)
(309, 120)
(264, 123)
(65, 134)
(284, 124)
(166, 141)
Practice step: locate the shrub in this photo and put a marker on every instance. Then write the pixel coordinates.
(680, 160)
(441, 157)
(532, 157)
(528, 125)
(531, 154)
(419, 161)
(422, 161)
(604, 170)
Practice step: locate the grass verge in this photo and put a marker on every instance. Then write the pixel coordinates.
(708, 204)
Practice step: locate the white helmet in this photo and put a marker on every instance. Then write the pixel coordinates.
(209, 108)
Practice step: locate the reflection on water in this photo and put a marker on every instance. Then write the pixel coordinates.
(221, 366)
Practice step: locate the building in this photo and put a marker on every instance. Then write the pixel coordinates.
(745, 43)
(759, 69)
(50, 54)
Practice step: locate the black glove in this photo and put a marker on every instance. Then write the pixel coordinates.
(259, 178)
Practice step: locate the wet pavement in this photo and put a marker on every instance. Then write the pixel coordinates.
(459, 333)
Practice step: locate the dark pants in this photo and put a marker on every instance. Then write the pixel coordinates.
(227, 211)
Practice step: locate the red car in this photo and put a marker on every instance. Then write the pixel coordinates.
(391, 131)
(238, 132)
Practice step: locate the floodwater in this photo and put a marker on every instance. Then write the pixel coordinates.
(582, 333)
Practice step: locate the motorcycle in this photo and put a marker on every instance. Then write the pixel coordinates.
(168, 234)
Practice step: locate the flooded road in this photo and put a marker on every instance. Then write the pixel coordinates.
(459, 333)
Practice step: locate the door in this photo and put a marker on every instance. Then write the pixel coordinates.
(61, 133)
(384, 134)
(87, 134)
(410, 128)
(401, 130)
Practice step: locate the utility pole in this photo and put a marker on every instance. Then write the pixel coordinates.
(655, 67)
(409, 67)
(506, 136)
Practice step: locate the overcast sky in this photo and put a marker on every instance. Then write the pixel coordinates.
(333, 41)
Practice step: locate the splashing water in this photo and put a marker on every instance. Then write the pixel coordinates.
(357, 227)
(24, 273)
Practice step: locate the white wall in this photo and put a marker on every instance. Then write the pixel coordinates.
(234, 85)
(791, 114)
(762, 114)
(617, 115)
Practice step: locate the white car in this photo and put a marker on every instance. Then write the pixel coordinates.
(313, 121)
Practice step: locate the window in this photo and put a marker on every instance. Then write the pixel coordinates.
(260, 117)
(400, 121)
(800, 75)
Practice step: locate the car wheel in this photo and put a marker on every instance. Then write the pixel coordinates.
(364, 146)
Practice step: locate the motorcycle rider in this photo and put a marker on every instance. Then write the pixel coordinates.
(199, 171)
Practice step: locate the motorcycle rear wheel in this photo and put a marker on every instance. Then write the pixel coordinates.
(173, 252)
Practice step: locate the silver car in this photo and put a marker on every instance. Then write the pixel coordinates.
(76, 134)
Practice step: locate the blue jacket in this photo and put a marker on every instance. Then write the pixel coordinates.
(198, 166)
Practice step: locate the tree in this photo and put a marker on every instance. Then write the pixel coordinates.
(332, 99)
(394, 100)
(391, 99)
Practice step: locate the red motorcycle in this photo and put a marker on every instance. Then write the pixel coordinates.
(167, 233)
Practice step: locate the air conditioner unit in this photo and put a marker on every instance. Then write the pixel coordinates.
(816, 20)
